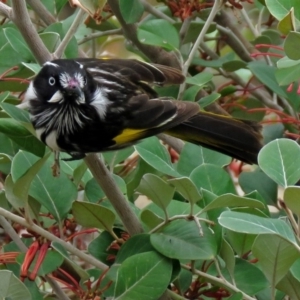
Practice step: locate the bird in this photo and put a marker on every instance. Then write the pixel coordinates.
(90, 105)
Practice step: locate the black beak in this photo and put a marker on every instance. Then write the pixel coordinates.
(73, 91)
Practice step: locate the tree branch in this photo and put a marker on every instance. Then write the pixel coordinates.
(41, 11)
(155, 54)
(21, 18)
(113, 193)
(49, 236)
(72, 30)
(5, 10)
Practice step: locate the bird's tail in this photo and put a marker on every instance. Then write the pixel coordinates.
(240, 139)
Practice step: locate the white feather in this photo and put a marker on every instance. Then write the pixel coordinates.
(100, 101)
(30, 93)
(57, 97)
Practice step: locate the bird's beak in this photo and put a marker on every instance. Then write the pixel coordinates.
(74, 91)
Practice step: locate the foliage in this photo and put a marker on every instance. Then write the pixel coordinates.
(205, 235)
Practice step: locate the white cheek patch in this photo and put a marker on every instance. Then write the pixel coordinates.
(57, 97)
(30, 93)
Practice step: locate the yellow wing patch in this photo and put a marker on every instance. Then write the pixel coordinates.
(129, 135)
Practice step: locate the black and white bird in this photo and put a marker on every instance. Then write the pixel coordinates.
(94, 105)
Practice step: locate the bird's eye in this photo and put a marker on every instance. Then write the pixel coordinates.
(51, 81)
(84, 80)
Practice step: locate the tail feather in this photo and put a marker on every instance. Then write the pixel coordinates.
(240, 139)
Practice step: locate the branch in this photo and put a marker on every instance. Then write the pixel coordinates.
(21, 18)
(96, 35)
(215, 9)
(72, 30)
(41, 11)
(155, 12)
(113, 193)
(9, 230)
(49, 236)
(218, 281)
(155, 54)
(5, 10)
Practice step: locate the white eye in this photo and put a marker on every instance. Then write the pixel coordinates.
(51, 81)
(84, 81)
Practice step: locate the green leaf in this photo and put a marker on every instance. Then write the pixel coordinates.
(291, 45)
(44, 188)
(156, 155)
(230, 200)
(291, 198)
(147, 269)
(249, 278)
(290, 285)
(266, 74)
(260, 182)
(276, 255)
(12, 288)
(16, 113)
(139, 243)
(100, 247)
(277, 159)
(251, 224)
(158, 32)
(17, 42)
(93, 215)
(212, 178)
(157, 190)
(131, 10)
(181, 239)
(186, 188)
(150, 218)
(288, 75)
(209, 99)
(22, 184)
(200, 79)
(21, 136)
(287, 24)
(50, 40)
(280, 8)
(234, 65)
(200, 155)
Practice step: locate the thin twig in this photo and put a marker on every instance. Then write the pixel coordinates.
(96, 35)
(218, 281)
(216, 7)
(155, 12)
(57, 289)
(9, 230)
(69, 35)
(49, 236)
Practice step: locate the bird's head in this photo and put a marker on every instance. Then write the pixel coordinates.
(61, 81)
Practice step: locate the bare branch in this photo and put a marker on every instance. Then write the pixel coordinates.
(41, 11)
(72, 30)
(155, 12)
(155, 54)
(96, 35)
(21, 18)
(9, 230)
(5, 10)
(113, 193)
(49, 236)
